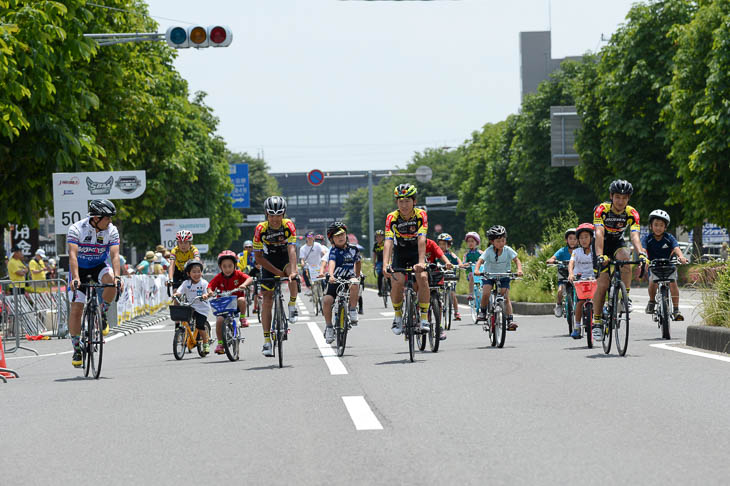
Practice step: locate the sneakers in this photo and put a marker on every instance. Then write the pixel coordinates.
(631, 306)
(481, 316)
(424, 326)
(457, 316)
(575, 334)
(77, 360)
(244, 322)
(206, 348)
(353, 317)
(329, 334)
(442, 337)
(650, 307)
(677, 316)
(597, 330)
(268, 350)
(558, 310)
(219, 349)
(104, 324)
(293, 314)
(397, 326)
(511, 326)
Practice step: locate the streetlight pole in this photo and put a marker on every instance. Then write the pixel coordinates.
(371, 218)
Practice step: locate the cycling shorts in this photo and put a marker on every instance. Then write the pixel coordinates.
(278, 260)
(405, 257)
(503, 282)
(94, 274)
(610, 247)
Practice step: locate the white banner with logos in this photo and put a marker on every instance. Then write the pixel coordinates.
(169, 227)
(142, 294)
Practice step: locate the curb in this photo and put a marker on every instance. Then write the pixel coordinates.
(710, 338)
(139, 323)
(522, 308)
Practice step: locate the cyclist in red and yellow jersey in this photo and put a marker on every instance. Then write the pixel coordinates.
(611, 219)
(405, 241)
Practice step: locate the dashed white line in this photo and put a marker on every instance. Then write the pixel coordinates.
(691, 352)
(360, 413)
(387, 314)
(328, 354)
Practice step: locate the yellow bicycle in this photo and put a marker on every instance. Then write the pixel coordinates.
(186, 338)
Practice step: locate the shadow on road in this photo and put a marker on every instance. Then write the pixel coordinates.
(80, 378)
(397, 361)
(270, 367)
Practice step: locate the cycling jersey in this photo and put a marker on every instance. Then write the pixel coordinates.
(433, 252)
(223, 283)
(181, 257)
(345, 259)
(405, 232)
(93, 245)
(378, 249)
(273, 241)
(246, 261)
(615, 224)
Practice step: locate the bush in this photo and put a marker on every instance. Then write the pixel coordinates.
(716, 296)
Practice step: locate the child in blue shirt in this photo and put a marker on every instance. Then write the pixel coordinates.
(660, 244)
(498, 258)
(563, 255)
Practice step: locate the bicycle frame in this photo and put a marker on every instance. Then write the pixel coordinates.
(664, 308)
(612, 318)
(410, 308)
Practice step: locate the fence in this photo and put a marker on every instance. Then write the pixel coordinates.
(142, 294)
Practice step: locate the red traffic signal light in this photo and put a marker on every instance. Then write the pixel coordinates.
(198, 36)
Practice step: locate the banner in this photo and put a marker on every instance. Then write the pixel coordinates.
(142, 294)
(169, 227)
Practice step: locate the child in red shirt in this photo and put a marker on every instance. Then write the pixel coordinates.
(229, 279)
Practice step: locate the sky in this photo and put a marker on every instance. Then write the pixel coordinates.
(337, 85)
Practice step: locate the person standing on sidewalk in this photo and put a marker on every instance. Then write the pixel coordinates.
(17, 270)
(38, 271)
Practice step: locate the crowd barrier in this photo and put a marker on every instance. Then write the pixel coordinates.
(142, 294)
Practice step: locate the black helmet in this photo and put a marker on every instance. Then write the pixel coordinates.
(379, 232)
(336, 228)
(496, 231)
(620, 186)
(102, 207)
(275, 205)
(191, 263)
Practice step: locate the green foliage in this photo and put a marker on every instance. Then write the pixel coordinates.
(716, 299)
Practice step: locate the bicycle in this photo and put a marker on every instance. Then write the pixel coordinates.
(585, 289)
(340, 310)
(385, 290)
(411, 313)
(662, 269)
(184, 337)
(317, 294)
(225, 304)
(259, 299)
(569, 299)
(476, 296)
(436, 288)
(616, 311)
(92, 340)
(447, 297)
(496, 323)
(279, 320)
(360, 305)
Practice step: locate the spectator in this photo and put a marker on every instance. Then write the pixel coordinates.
(163, 251)
(52, 270)
(145, 267)
(17, 269)
(158, 268)
(38, 271)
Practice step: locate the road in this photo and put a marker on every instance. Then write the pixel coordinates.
(542, 410)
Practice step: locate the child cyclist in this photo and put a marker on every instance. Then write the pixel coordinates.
(498, 258)
(229, 278)
(180, 255)
(445, 241)
(581, 266)
(196, 286)
(344, 262)
(563, 255)
(660, 244)
(472, 256)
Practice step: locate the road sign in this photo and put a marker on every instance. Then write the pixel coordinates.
(436, 200)
(169, 227)
(424, 173)
(239, 176)
(315, 177)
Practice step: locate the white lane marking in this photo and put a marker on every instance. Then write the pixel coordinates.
(305, 312)
(38, 356)
(328, 354)
(157, 326)
(388, 314)
(360, 413)
(156, 331)
(691, 352)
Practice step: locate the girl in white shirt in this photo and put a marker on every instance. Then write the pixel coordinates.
(581, 266)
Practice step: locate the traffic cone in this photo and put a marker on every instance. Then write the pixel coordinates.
(3, 370)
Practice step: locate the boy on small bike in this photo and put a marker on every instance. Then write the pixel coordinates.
(445, 241)
(582, 263)
(660, 244)
(498, 258)
(435, 254)
(344, 262)
(229, 278)
(563, 255)
(472, 255)
(196, 286)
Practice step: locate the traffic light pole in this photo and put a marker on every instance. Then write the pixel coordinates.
(371, 217)
(112, 39)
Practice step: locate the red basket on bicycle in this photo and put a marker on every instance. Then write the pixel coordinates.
(585, 288)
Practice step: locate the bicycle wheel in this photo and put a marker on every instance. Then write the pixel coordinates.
(420, 336)
(280, 332)
(434, 317)
(259, 303)
(500, 323)
(569, 308)
(96, 345)
(588, 322)
(341, 329)
(384, 290)
(87, 347)
(315, 297)
(230, 340)
(474, 305)
(664, 317)
(621, 324)
(409, 326)
(179, 343)
(448, 310)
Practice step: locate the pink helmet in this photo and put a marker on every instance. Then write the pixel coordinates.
(227, 254)
(184, 235)
(475, 235)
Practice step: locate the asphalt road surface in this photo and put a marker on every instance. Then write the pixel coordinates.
(542, 410)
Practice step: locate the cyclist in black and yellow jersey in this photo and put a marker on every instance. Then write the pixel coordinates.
(183, 252)
(378, 248)
(274, 246)
(405, 241)
(611, 219)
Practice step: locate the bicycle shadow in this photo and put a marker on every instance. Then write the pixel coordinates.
(610, 355)
(81, 378)
(494, 347)
(270, 367)
(399, 361)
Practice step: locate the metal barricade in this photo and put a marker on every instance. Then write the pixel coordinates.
(39, 307)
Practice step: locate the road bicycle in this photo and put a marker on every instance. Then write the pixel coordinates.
(616, 311)
(663, 269)
(340, 309)
(447, 292)
(186, 338)
(225, 304)
(496, 322)
(436, 286)
(585, 289)
(411, 313)
(279, 320)
(92, 339)
(385, 290)
(317, 294)
(476, 296)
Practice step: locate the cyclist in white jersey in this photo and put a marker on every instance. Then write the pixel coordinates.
(89, 242)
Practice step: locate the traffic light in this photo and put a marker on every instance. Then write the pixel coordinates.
(198, 36)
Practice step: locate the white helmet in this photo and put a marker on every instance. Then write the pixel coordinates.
(661, 214)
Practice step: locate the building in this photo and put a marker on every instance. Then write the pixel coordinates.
(536, 62)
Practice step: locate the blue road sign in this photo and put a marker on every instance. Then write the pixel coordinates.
(239, 177)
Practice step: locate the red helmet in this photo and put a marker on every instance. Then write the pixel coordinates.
(584, 227)
(227, 254)
(184, 235)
